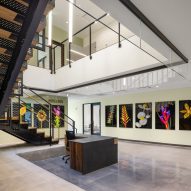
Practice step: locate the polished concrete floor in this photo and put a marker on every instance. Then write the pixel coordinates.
(18, 174)
(141, 167)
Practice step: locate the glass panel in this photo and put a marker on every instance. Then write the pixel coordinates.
(87, 119)
(96, 120)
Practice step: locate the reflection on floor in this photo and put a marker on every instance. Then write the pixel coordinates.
(141, 167)
(18, 174)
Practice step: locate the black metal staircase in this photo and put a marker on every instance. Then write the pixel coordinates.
(19, 21)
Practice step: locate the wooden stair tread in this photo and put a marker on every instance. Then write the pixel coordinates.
(8, 15)
(32, 128)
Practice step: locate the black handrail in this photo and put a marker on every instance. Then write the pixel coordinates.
(73, 122)
(72, 125)
(31, 109)
(25, 87)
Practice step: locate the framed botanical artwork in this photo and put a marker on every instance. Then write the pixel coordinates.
(126, 116)
(185, 115)
(165, 115)
(143, 115)
(41, 116)
(26, 113)
(58, 115)
(111, 116)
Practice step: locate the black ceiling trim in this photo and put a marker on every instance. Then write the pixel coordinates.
(153, 28)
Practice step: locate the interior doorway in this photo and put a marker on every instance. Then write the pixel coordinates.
(92, 118)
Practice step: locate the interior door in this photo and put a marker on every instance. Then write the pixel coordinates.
(92, 119)
(87, 119)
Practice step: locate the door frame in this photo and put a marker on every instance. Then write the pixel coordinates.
(92, 104)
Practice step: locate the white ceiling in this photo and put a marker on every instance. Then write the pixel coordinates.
(172, 18)
(171, 78)
(81, 19)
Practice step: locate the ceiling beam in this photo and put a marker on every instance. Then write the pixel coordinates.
(153, 28)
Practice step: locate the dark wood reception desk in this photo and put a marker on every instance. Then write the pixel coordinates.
(91, 153)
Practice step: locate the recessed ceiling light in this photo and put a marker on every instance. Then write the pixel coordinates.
(108, 14)
(124, 81)
(66, 22)
(157, 86)
(95, 22)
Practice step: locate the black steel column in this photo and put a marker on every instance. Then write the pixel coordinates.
(50, 121)
(43, 40)
(19, 111)
(54, 62)
(119, 35)
(90, 42)
(70, 54)
(62, 55)
(50, 60)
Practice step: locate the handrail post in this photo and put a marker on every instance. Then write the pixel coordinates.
(119, 35)
(70, 54)
(54, 62)
(62, 55)
(50, 60)
(19, 111)
(50, 123)
(74, 127)
(90, 42)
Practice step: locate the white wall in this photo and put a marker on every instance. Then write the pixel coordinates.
(106, 63)
(38, 78)
(153, 135)
(109, 62)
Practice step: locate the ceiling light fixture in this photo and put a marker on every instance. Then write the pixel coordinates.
(157, 86)
(74, 51)
(108, 14)
(66, 22)
(50, 28)
(71, 20)
(124, 81)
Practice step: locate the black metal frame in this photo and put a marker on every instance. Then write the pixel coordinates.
(91, 104)
(152, 27)
(90, 28)
(119, 35)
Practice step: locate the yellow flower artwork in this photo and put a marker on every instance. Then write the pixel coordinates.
(23, 110)
(186, 111)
